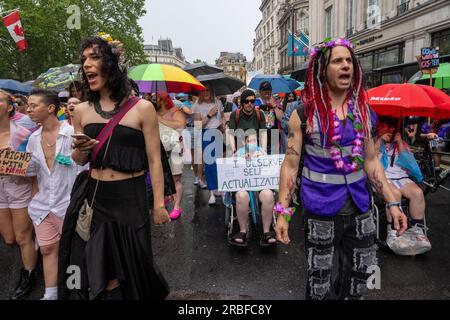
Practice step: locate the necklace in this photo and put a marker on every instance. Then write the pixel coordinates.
(106, 114)
(336, 150)
(48, 145)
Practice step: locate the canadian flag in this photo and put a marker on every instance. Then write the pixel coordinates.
(12, 23)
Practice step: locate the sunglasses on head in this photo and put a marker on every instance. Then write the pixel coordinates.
(252, 101)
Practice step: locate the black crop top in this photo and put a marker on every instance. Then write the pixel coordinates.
(126, 151)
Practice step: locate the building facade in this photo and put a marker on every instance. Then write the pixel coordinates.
(294, 13)
(266, 42)
(233, 64)
(165, 53)
(258, 53)
(388, 34)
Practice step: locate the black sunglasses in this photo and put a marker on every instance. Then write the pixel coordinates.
(252, 101)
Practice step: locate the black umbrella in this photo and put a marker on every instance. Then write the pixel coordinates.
(200, 69)
(221, 84)
(300, 74)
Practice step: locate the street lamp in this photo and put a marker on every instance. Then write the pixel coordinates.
(288, 6)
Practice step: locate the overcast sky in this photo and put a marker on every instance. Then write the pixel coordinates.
(203, 28)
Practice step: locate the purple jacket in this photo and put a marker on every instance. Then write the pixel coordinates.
(324, 187)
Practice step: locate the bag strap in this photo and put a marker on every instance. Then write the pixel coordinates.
(101, 172)
(109, 127)
(236, 118)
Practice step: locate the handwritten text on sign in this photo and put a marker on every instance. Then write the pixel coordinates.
(235, 174)
(430, 58)
(14, 163)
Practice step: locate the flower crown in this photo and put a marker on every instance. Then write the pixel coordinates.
(116, 47)
(327, 44)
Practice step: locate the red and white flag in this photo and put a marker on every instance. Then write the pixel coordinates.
(12, 23)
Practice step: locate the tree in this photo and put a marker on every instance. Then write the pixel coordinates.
(51, 43)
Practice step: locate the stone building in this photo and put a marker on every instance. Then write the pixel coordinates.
(388, 34)
(295, 12)
(165, 53)
(266, 42)
(233, 64)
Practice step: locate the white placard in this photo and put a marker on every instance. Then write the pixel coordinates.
(256, 174)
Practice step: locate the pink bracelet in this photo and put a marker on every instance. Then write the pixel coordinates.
(287, 213)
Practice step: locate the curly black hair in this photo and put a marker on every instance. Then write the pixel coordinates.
(116, 79)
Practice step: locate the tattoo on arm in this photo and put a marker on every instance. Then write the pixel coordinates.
(290, 134)
(377, 183)
(290, 151)
(291, 188)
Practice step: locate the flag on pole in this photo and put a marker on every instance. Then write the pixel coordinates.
(298, 46)
(14, 26)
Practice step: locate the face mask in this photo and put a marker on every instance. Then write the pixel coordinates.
(252, 147)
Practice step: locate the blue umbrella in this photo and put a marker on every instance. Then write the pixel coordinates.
(279, 83)
(253, 205)
(15, 86)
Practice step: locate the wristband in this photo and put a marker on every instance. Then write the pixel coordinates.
(287, 213)
(394, 204)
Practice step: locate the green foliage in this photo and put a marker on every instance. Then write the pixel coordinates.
(51, 43)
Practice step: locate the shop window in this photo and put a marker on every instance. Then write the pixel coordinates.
(442, 40)
(392, 78)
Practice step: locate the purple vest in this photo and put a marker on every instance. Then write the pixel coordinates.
(324, 187)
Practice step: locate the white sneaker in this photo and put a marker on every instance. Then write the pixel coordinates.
(212, 199)
(49, 298)
(413, 242)
(202, 184)
(391, 236)
(417, 236)
(196, 181)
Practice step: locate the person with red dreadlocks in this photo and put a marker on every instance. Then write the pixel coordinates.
(339, 156)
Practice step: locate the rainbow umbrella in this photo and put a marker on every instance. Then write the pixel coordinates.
(153, 78)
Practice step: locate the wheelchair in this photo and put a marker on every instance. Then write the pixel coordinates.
(254, 223)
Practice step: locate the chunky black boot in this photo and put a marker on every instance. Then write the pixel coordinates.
(25, 285)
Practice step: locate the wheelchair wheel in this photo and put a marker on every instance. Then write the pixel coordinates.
(231, 223)
(379, 216)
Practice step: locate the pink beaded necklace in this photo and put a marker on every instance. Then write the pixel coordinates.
(336, 150)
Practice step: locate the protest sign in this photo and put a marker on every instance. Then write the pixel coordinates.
(429, 58)
(256, 174)
(14, 163)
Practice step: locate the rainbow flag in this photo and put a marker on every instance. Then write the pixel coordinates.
(61, 114)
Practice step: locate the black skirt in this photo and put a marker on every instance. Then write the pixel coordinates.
(119, 246)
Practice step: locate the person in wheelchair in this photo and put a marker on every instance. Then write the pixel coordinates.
(401, 169)
(266, 197)
(438, 131)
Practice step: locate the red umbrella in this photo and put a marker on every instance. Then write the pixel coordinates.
(401, 100)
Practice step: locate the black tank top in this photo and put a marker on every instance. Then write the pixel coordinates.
(126, 151)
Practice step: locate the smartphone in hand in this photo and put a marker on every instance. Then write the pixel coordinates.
(81, 136)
